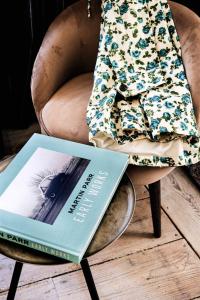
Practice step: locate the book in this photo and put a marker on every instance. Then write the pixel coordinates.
(54, 194)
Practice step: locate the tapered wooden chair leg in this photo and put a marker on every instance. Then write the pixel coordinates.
(155, 200)
(14, 280)
(89, 279)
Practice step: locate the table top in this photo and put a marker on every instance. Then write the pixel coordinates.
(113, 224)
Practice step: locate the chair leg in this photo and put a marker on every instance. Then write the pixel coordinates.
(14, 280)
(89, 279)
(155, 200)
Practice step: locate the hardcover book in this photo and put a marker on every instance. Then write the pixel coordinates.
(54, 194)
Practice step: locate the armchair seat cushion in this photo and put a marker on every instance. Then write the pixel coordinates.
(64, 116)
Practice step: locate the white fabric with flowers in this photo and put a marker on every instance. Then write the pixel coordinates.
(141, 102)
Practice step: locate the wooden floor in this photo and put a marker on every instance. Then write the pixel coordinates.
(136, 266)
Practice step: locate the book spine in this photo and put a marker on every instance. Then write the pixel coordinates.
(37, 246)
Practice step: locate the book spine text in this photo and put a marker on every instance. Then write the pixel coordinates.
(38, 246)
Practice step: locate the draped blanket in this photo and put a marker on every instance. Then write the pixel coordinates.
(141, 101)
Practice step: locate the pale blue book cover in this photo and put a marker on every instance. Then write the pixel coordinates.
(54, 194)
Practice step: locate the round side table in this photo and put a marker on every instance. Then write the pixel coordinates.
(113, 224)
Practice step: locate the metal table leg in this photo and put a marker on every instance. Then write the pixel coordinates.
(89, 279)
(14, 280)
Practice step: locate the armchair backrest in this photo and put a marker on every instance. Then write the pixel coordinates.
(69, 48)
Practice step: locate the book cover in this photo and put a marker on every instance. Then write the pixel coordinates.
(54, 194)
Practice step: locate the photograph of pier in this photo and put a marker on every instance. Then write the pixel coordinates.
(56, 189)
(43, 185)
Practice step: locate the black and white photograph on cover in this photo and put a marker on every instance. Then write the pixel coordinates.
(43, 185)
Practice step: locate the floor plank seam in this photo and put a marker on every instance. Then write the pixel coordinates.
(150, 248)
(190, 245)
(146, 198)
(37, 281)
(91, 265)
(135, 252)
(179, 231)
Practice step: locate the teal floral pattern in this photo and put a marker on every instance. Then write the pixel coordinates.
(140, 89)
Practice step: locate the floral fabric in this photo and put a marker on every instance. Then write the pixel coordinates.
(140, 90)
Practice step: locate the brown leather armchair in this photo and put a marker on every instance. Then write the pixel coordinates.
(62, 74)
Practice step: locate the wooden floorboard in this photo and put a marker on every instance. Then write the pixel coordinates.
(181, 201)
(166, 272)
(43, 290)
(170, 271)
